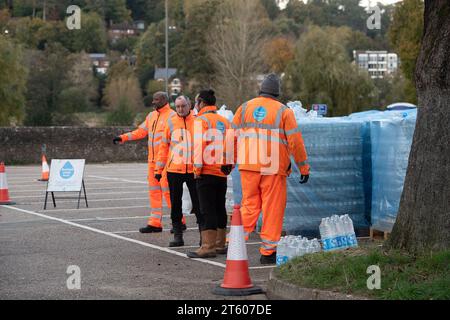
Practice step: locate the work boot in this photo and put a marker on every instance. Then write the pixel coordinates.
(208, 248)
(178, 236)
(221, 248)
(150, 229)
(270, 259)
(183, 228)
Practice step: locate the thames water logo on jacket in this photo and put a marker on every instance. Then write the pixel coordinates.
(67, 171)
(221, 126)
(259, 114)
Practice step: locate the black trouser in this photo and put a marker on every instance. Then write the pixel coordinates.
(176, 181)
(212, 192)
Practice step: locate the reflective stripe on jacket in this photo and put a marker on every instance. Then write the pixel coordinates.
(209, 141)
(176, 150)
(153, 127)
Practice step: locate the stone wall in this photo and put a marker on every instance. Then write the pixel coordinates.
(23, 145)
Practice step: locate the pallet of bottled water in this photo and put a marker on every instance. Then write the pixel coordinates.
(337, 232)
(291, 246)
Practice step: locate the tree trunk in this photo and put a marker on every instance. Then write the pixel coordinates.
(423, 221)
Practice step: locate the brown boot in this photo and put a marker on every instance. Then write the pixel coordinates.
(221, 248)
(208, 248)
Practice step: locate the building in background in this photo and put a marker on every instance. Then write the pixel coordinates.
(125, 29)
(377, 63)
(100, 61)
(175, 85)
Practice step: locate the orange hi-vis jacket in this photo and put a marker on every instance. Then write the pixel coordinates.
(267, 135)
(177, 145)
(153, 127)
(209, 142)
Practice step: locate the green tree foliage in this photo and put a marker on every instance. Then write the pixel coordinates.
(154, 86)
(405, 35)
(335, 13)
(150, 52)
(195, 61)
(12, 82)
(47, 79)
(122, 116)
(151, 11)
(112, 11)
(271, 7)
(322, 73)
(91, 37)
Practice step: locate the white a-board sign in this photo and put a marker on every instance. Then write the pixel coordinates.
(66, 175)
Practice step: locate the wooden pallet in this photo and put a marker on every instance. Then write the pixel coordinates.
(377, 234)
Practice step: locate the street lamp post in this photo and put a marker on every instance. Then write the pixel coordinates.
(167, 44)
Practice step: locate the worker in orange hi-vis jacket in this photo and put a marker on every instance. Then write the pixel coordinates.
(175, 155)
(209, 137)
(268, 135)
(153, 127)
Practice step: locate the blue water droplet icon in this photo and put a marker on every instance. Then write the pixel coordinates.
(67, 171)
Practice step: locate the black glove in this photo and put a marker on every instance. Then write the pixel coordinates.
(158, 177)
(117, 139)
(226, 169)
(304, 178)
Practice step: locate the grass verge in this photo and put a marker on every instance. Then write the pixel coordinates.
(403, 276)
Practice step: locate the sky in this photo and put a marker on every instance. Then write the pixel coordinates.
(282, 3)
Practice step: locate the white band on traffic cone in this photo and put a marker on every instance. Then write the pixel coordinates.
(45, 167)
(3, 181)
(236, 247)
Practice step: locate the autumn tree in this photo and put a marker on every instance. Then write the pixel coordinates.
(234, 46)
(278, 52)
(122, 94)
(405, 34)
(423, 220)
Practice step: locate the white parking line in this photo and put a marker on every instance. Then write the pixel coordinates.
(82, 200)
(93, 209)
(145, 244)
(118, 179)
(12, 192)
(188, 247)
(136, 231)
(91, 194)
(108, 218)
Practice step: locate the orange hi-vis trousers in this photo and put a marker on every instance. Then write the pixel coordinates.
(266, 193)
(155, 193)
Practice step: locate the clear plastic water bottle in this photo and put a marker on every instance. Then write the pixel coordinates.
(336, 244)
(342, 232)
(350, 231)
(282, 257)
(316, 245)
(327, 234)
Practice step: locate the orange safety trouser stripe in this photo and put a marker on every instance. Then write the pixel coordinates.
(155, 193)
(266, 193)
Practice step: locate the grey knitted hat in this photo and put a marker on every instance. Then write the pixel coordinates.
(271, 85)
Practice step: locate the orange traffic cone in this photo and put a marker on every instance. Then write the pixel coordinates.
(236, 281)
(4, 196)
(45, 169)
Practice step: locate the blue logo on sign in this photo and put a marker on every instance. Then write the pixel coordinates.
(67, 171)
(259, 114)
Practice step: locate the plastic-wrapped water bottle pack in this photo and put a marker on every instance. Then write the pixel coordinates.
(337, 232)
(291, 246)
